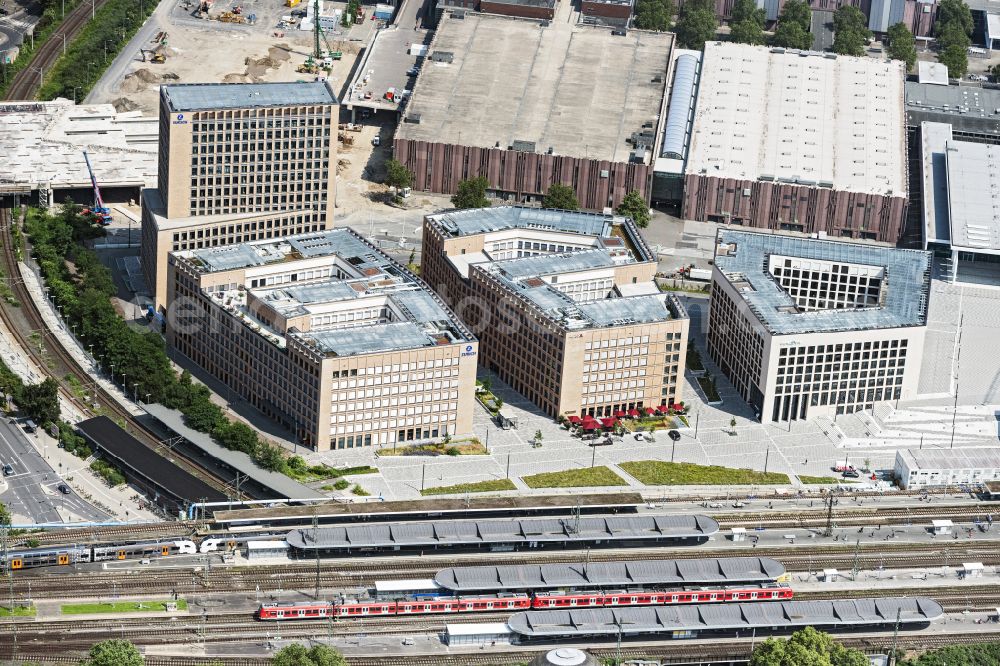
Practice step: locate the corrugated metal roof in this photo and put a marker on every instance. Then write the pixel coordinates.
(610, 574)
(482, 532)
(783, 615)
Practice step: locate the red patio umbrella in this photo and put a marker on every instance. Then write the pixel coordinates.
(650, 411)
(609, 422)
(633, 413)
(575, 420)
(590, 425)
(663, 409)
(620, 414)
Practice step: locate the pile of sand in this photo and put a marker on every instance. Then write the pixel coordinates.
(235, 78)
(123, 104)
(138, 80)
(342, 165)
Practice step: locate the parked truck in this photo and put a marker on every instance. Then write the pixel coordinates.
(382, 13)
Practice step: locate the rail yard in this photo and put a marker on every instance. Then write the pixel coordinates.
(214, 601)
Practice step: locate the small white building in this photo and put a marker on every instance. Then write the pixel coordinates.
(266, 550)
(739, 534)
(942, 467)
(941, 526)
(477, 634)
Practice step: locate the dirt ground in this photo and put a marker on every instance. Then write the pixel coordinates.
(238, 56)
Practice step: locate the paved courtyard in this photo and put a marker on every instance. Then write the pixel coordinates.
(811, 447)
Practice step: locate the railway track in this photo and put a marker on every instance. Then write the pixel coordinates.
(23, 320)
(343, 574)
(25, 84)
(854, 516)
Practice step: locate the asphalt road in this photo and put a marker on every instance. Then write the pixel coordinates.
(822, 30)
(32, 489)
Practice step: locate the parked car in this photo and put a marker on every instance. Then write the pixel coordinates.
(850, 474)
(64, 489)
(8, 470)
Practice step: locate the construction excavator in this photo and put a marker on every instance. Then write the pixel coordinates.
(154, 56)
(319, 61)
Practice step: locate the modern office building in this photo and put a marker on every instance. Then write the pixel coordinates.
(925, 468)
(527, 105)
(961, 213)
(326, 335)
(805, 327)
(564, 304)
(798, 141)
(238, 162)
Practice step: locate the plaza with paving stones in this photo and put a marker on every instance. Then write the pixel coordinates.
(803, 448)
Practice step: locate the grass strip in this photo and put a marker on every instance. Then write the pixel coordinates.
(493, 485)
(583, 477)
(121, 607)
(659, 473)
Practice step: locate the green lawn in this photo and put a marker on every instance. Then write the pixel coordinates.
(575, 478)
(658, 473)
(19, 611)
(805, 478)
(493, 485)
(121, 607)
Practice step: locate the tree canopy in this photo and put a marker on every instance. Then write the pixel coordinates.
(958, 655)
(298, 655)
(471, 193)
(953, 27)
(793, 26)
(696, 24)
(796, 11)
(4, 515)
(654, 15)
(40, 401)
(397, 175)
(851, 32)
(790, 35)
(901, 45)
(114, 652)
(561, 196)
(806, 647)
(746, 25)
(634, 206)
(953, 12)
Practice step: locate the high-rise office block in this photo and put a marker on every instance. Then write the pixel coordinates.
(237, 163)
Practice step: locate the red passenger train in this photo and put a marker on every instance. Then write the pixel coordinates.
(479, 604)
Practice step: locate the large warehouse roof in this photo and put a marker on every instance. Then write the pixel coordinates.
(742, 258)
(787, 614)
(730, 570)
(486, 532)
(577, 90)
(960, 181)
(813, 118)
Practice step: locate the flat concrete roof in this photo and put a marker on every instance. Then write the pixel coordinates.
(964, 458)
(722, 571)
(209, 96)
(722, 617)
(967, 108)
(973, 184)
(576, 89)
(42, 144)
(800, 117)
(933, 73)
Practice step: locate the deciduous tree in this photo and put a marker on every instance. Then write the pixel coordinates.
(397, 175)
(901, 45)
(561, 196)
(298, 655)
(851, 32)
(114, 652)
(696, 24)
(634, 206)
(654, 15)
(471, 193)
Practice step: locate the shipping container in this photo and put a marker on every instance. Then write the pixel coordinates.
(383, 12)
(292, 3)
